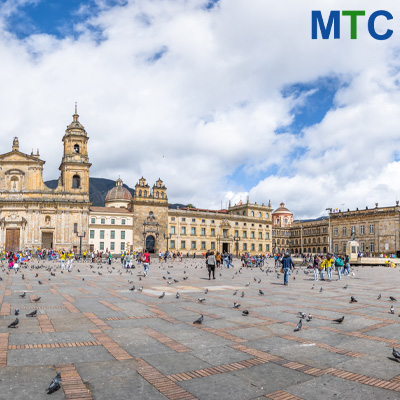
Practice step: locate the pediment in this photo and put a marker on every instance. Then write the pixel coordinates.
(17, 156)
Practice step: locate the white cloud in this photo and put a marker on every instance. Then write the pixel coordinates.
(212, 103)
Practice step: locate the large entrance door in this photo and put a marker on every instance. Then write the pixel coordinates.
(12, 240)
(47, 240)
(150, 242)
(225, 247)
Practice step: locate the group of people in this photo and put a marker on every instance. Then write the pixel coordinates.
(329, 262)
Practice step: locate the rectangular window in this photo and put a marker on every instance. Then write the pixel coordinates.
(193, 231)
(91, 234)
(183, 219)
(267, 235)
(183, 230)
(101, 245)
(112, 221)
(101, 234)
(252, 235)
(112, 246)
(260, 247)
(335, 231)
(193, 244)
(371, 230)
(336, 248)
(203, 231)
(203, 221)
(172, 244)
(193, 219)
(103, 221)
(245, 246)
(260, 235)
(122, 246)
(362, 230)
(212, 245)
(236, 233)
(212, 232)
(183, 244)
(212, 221)
(344, 231)
(112, 235)
(123, 221)
(122, 234)
(362, 247)
(172, 230)
(252, 247)
(75, 227)
(267, 247)
(203, 245)
(344, 248)
(92, 220)
(172, 218)
(225, 233)
(372, 247)
(244, 234)
(236, 223)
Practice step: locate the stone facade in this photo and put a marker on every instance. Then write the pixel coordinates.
(35, 216)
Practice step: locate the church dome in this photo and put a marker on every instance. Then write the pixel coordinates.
(119, 192)
(282, 210)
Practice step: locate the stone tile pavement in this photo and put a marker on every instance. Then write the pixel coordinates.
(110, 342)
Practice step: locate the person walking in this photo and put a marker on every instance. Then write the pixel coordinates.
(62, 260)
(211, 265)
(218, 259)
(322, 266)
(146, 261)
(346, 267)
(316, 267)
(287, 265)
(339, 266)
(330, 262)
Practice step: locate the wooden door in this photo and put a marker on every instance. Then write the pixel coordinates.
(47, 240)
(12, 240)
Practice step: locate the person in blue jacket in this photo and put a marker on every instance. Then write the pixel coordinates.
(287, 265)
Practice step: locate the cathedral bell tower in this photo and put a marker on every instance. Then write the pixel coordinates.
(75, 162)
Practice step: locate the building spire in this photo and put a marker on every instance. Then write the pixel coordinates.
(76, 116)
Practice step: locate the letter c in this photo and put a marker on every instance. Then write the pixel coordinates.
(371, 25)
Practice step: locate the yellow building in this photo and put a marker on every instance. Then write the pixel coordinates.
(35, 216)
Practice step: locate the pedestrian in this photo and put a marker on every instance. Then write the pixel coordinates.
(211, 265)
(146, 261)
(218, 259)
(346, 267)
(316, 267)
(62, 260)
(322, 266)
(339, 266)
(287, 265)
(330, 262)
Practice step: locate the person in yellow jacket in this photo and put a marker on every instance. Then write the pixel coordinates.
(322, 266)
(62, 260)
(329, 263)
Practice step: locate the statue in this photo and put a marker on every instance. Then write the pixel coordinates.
(353, 233)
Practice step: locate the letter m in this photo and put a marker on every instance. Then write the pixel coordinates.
(334, 20)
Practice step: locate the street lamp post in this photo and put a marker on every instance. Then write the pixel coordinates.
(236, 240)
(167, 236)
(329, 227)
(80, 243)
(301, 239)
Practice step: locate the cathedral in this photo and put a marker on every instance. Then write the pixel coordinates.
(34, 216)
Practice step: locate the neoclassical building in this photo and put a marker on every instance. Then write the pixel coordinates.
(35, 216)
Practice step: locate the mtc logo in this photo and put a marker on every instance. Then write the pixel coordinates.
(334, 23)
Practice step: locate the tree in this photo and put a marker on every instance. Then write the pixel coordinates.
(190, 205)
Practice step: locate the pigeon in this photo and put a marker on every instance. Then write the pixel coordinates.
(247, 284)
(14, 324)
(37, 299)
(162, 296)
(396, 354)
(392, 309)
(302, 315)
(392, 298)
(55, 384)
(201, 300)
(22, 295)
(16, 312)
(199, 321)
(235, 292)
(176, 280)
(242, 295)
(260, 292)
(309, 318)
(379, 297)
(140, 289)
(132, 288)
(236, 305)
(320, 290)
(40, 282)
(185, 277)
(345, 287)
(299, 326)
(353, 300)
(245, 313)
(32, 314)
(339, 320)
(206, 291)
(177, 295)
(312, 287)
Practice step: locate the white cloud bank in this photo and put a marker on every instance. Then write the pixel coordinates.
(212, 102)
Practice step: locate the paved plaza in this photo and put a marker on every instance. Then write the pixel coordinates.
(113, 343)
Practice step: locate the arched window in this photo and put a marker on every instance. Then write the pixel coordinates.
(252, 214)
(162, 195)
(76, 148)
(76, 182)
(157, 195)
(14, 183)
(243, 212)
(144, 193)
(140, 193)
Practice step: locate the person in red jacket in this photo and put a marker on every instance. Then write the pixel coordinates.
(146, 261)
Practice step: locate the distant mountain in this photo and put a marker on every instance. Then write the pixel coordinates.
(98, 188)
